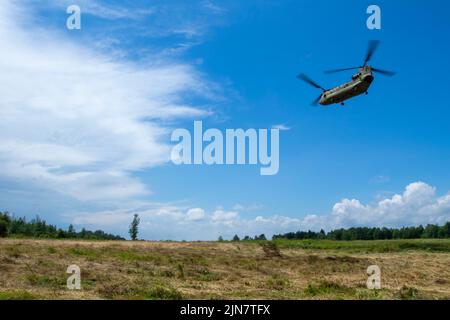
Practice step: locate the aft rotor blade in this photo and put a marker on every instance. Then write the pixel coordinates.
(384, 72)
(340, 70)
(373, 45)
(305, 78)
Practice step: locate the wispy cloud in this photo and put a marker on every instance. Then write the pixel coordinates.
(80, 122)
(187, 20)
(213, 7)
(104, 10)
(281, 127)
(380, 179)
(247, 208)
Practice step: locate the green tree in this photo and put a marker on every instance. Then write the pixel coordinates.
(431, 231)
(236, 238)
(83, 233)
(261, 237)
(445, 230)
(71, 232)
(322, 234)
(5, 222)
(61, 234)
(220, 239)
(3, 228)
(5, 217)
(134, 227)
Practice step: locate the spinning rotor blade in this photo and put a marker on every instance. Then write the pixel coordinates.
(373, 45)
(340, 70)
(316, 102)
(305, 78)
(384, 72)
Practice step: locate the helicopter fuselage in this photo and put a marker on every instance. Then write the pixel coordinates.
(359, 84)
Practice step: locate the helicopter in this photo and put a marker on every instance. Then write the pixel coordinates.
(359, 84)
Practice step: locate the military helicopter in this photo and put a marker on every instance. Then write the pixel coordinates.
(359, 84)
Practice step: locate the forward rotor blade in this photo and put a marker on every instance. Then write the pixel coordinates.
(316, 102)
(340, 70)
(373, 45)
(384, 72)
(305, 78)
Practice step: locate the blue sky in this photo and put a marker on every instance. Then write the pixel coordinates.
(95, 129)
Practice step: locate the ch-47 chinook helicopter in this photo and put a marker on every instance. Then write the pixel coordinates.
(359, 84)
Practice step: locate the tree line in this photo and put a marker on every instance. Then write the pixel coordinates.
(431, 231)
(261, 237)
(39, 228)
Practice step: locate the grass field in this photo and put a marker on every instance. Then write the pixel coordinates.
(410, 269)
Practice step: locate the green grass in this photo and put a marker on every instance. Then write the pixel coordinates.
(320, 269)
(328, 288)
(51, 250)
(203, 274)
(160, 292)
(115, 253)
(380, 246)
(408, 293)
(277, 282)
(134, 256)
(91, 254)
(17, 295)
(45, 280)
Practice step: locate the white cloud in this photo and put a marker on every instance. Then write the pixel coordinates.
(213, 7)
(195, 214)
(418, 204)
(379, 179)
(189, 20)
(281, 127)
(221, 215)
(78, 122)
(101, 10)
(104, 219)
(248, 208)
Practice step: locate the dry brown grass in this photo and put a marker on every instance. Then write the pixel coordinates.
(212, 270)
